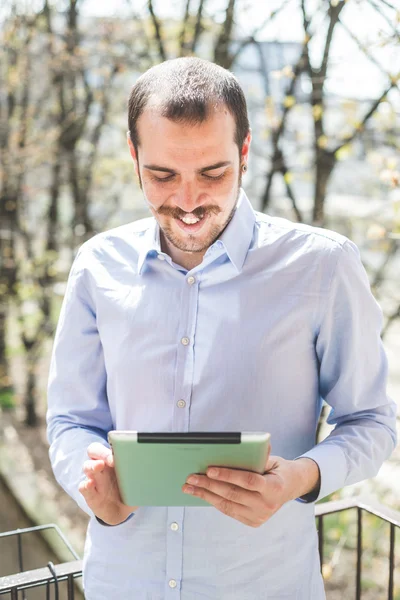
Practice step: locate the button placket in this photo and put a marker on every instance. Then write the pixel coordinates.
(174, 525)
(184, 367)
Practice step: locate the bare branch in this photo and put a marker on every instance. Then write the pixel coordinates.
(183, 30)
(367, 116)
(333, 12)
(95, 138)
(157, 28)
(252, 38)
(379, 274)
(198, 27)
(221, 48)
(277, 160)
(395, 315)
(365, 50)
(389, 5)
(290, 193)
(385, 17)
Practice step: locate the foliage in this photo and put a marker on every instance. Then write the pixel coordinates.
(7, 400)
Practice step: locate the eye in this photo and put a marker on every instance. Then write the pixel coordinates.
(162, 179)
(214, 177)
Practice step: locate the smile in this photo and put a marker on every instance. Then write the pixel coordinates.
(191, 223)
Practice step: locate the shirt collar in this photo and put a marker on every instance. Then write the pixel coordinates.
(238, 235)
(236, 238)
(150, 243)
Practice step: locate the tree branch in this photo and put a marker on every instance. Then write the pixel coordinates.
(198, 27)
(157, 28)
(365, 51)
(385, 17)
(251, 38)
(395, 315)
(221, 49)
(333, 12)
(367, 116)
(183, 30)
(290, 193)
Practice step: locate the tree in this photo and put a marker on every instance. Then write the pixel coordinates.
(52, 129)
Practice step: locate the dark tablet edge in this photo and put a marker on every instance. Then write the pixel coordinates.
(190, 437)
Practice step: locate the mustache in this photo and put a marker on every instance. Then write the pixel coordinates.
(199, 212)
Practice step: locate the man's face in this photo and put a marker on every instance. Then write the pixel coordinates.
(190, 176)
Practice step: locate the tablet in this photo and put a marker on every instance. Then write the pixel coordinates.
(151, 468)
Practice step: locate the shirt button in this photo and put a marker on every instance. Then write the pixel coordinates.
(161, 257)
(185, 341)
(181, 403)
(174, 526)
(191, 280)
(172, 583)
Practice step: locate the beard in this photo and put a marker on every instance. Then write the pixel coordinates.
(190, 243)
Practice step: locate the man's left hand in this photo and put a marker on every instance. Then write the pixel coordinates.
(253, 498)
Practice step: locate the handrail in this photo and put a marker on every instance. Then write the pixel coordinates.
(52, 574)
(372, 507)
(44, 575)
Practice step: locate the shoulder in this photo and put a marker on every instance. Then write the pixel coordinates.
(320, 250)
(130, 235)
(291, 232)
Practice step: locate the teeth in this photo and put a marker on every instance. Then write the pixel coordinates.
(190, 220)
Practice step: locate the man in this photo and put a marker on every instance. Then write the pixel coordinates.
(209, 316)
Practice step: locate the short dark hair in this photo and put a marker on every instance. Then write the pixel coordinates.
(186, 89)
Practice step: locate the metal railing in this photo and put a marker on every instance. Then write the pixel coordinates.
(384, 513)
(51, 575)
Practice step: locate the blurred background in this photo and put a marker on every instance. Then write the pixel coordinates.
(322, 81)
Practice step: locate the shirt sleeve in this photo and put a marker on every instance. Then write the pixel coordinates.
(352, 379)
(78, 412)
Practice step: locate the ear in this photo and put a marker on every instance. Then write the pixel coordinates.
(133, 152)
(246, 148)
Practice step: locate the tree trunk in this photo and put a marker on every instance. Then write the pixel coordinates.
(8, 218)
(325, 163)
(30, 394)
(5, 380)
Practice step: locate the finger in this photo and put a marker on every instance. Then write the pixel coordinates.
(91, 467)
(98, 451)
(231, 509)
(245, 479)
(231, 492)
(87, 488)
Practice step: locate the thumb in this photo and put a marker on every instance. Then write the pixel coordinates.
(268, 458)
(98, 451)
(272, 464)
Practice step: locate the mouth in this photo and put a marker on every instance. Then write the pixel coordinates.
(191, 223)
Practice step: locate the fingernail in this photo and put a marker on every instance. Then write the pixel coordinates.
(192, 479)
(213, 473)
(188, 489)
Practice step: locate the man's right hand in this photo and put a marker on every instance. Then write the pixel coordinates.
(100, 488)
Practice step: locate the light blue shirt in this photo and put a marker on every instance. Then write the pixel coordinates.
(279, 316)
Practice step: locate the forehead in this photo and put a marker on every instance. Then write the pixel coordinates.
(177, 140)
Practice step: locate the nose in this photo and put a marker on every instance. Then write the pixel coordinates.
(187, 197)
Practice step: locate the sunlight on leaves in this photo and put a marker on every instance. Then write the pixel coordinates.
(289, 101)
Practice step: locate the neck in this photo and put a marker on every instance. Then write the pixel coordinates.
(187, 260)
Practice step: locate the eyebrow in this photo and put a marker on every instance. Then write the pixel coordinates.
(217, 165)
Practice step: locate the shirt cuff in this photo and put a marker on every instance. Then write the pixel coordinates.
(313, 495)
(117, 524)
(332, 466)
